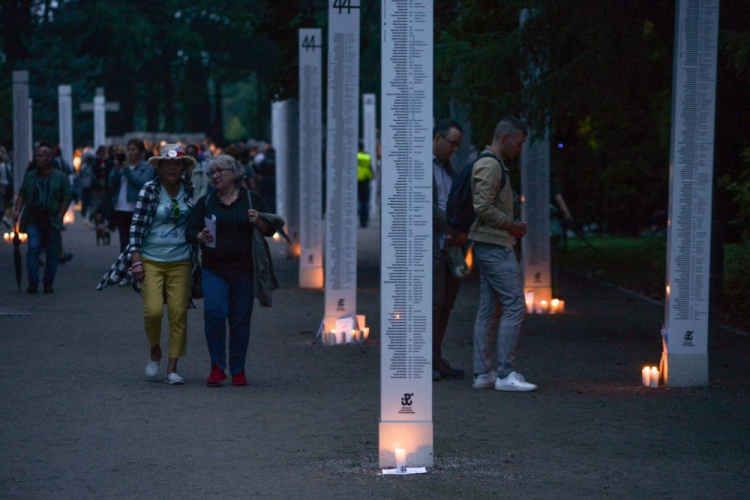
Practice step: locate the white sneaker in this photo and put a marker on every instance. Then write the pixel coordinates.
(514, 383)
(174, 379)
(484, 380)
(152, 369)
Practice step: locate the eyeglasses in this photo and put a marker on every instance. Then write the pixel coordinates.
(175, 208)
(215, 171)
(455, 144)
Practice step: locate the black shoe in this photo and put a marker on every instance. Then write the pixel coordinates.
(48, 288)
(446, 371)
(64, 258)
(32, 290)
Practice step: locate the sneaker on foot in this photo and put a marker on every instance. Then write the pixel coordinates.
(239, 378)
(217, 377)
(152, 368)
(174, 379)
(514, 382)
(446, 371)
(484, 380)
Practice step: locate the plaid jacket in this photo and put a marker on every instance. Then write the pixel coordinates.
(145, 209)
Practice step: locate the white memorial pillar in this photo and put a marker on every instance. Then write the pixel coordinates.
(100, 122)
(311, 158)
(691, 179)
(406, 243)
(341, 161)
(284, 130)
(22, 141)
(535, 207)
(100, 108)
(65, 121)
(369, 133)
(31, 127)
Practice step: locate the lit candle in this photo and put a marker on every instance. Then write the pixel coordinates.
(654, 377)
(365, 334)
(401, 459)
(6, 236)
(544, 306)
(561, 307)
(646, 375)
(529, 302)
(332, 337)
(353, 338)
(554, 306)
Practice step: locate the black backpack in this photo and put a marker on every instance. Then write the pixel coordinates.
(460, 210)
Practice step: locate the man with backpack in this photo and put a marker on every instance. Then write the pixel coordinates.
(446, 139)
(494, 233)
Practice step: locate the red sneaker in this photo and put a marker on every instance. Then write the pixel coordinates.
(239, 378)
(217, 377)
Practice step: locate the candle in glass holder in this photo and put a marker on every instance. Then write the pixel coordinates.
(561, 306)
(544, 306)
(646, 376)
(529, 302)
(332, 338)
(365, 334)
(654, 380)
(401, 459)
(554, 306)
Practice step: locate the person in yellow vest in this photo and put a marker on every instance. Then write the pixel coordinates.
(364, 176)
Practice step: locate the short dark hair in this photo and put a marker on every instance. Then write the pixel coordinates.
(137, 143)
(443, 127)
(44, 144)
(507, 125)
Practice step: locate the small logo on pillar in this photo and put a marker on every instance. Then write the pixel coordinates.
(689, 339)
(406, 403)
(341, 305)
(311, 259)
(537, 277)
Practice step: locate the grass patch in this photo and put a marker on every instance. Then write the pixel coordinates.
(640, 264)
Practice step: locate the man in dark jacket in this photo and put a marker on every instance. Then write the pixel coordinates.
(45, 193)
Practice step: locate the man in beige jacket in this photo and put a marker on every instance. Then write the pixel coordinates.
(494, 232)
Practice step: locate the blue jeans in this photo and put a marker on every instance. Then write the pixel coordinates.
(227, 295)
(47, 237)
(501, 309)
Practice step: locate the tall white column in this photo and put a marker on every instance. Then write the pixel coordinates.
(406, 243)
(535, 207)
(341, 161)
(21, 128)
(31, 127)
(284, 139)
(369, 134)
(100, 122)
(65, 118)
(691, 179)
(311, 158)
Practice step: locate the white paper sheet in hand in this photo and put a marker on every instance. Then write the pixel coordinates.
(211, 226)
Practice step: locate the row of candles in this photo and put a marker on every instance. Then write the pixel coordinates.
(554, 306)
(9, 236)
(346, 337)
(650, 377)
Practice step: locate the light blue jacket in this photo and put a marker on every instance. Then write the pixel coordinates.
(136, 178)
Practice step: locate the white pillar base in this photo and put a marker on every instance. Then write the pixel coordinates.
(414, 437)
(687, 370)
(311, 278)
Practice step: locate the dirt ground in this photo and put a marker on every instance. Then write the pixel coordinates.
(78, 419)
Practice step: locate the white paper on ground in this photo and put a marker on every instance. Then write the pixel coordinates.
(409, 470)
(211, 225)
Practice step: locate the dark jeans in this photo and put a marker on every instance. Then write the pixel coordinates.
(42, 236)
(122, 221)
(445, 288)
(363, 195)
(227, 295)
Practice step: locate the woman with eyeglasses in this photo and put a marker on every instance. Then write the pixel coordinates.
(236, 264)
(159, 258)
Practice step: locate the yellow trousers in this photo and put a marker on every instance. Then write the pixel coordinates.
(170, 280)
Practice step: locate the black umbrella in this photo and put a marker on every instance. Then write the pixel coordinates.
(17, 257)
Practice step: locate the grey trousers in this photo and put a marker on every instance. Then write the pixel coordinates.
(501, 309)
